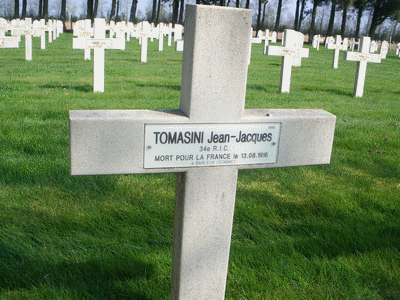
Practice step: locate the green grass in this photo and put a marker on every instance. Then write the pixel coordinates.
(314, 232)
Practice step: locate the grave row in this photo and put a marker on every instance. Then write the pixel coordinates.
(18, 28)
(292, 50)
(123, 31)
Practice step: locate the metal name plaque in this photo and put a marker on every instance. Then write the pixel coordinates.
(206, 145)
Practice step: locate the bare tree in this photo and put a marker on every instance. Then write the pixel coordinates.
(314, 12)
(40, 12)
(361, 6)
(24, 4)
(153, 12)
(63, 13)
(181, 8)
(296, 17)
(263, 15)
(278, 15)
(346, 4)
(16, 9)
(132, 17)
(45, 10)
(331, 19)
(301, 16)
(175, 11)
(113, 7)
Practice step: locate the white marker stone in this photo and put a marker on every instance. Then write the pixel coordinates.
(266, 40)
(363, 58)
(288, 52)
(178, 30)
(206, 141)
(179, 45)
(384, 49)
(9, 42)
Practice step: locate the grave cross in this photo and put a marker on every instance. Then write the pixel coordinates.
(40, 31)
(337, 46)
(99, 43)
(289, 52)
(28, 32)
(205, 142)
(83, 30)
(363, 57)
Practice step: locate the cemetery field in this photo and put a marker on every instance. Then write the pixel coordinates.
(314, 232)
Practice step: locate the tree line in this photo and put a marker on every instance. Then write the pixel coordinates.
(380, 11)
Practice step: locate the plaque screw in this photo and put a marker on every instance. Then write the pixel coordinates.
(149, 147)
(273, 143)
(268, 114)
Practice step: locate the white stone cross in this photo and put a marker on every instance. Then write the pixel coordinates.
(266, 41)
(82, 30)
(160, 36)
(205, 142)
(170, 30)
(178, 29)
(144, 32)
(99, 43)
(337, 46)
(28, 32)
(353, 43)
(363, 57)
(288, 52)
(39, 28)
(298, 42)
(316, 41)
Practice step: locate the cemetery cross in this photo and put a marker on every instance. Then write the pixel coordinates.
(337, 46)
(205, 142)
(363, 57)
(289, 52)
(99, 43)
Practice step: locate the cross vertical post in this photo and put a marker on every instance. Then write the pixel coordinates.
(203, 220)
(362, 58)
(289, 52)
(336, 46)
(99, 32)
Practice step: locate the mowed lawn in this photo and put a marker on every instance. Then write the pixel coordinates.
(312, 232)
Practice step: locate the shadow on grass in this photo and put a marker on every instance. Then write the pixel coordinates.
(264, 88)
(363, 221)
(330, 90)
(296, 220)
(101, 277)
(80, 88)
(160, 85)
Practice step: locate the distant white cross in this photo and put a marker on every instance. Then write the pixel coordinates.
(82, 30)
(289, 52)
(363, 57)
(99, 43)
(337, 46)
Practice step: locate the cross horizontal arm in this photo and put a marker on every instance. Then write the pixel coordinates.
(358, 56)
(282, 51)
(113, 141)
